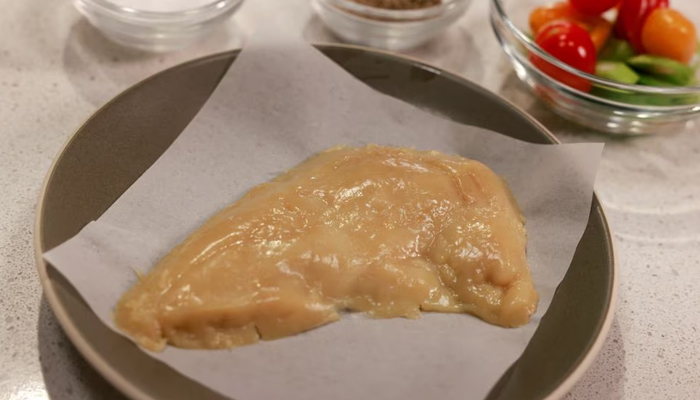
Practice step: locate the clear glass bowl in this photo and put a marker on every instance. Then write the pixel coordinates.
(387, 29)
(153, 30)
(630, 109)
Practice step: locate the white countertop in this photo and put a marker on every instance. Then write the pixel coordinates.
(55, 70)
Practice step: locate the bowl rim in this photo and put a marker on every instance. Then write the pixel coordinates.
(363, 10)
(211, 9)
(107, 371)
(498, 9)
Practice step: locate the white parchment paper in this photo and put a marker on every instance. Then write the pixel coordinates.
(281, 102)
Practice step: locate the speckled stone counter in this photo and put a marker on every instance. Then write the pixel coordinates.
(55, 70)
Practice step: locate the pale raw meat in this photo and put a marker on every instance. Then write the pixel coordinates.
(384, 231)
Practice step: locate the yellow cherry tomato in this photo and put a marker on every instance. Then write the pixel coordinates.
(668, 33)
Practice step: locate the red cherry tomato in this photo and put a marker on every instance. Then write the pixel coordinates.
(593, 7)
(631, 17)
(571, 44)
(598, 27)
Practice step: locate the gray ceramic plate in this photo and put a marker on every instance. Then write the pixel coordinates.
(121, 140)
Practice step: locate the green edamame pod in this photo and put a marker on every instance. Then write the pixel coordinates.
(648, 80)
(695, 62)
(663, 68)
(633, 98)
(616, 71)
(617, 50)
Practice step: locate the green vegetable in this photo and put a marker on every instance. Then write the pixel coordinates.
(663, 68)
(695, 62)
(617, 50)
(633, 98)
(649, 80)
(686, 99)
(645, 99)
(616, 71)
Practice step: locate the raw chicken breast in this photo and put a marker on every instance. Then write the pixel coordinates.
(384, 231)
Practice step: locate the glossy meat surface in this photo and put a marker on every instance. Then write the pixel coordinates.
(384, 231)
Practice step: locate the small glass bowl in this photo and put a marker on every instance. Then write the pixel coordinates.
(157, 31)
(388, 29)
(627, 109)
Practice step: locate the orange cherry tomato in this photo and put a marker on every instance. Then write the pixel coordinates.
(600, 30)
(598, 27)
(668, 33)
(631, 18)
(541, 16)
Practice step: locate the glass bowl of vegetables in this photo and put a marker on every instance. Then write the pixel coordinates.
(620, 66)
